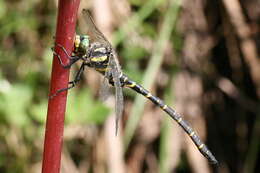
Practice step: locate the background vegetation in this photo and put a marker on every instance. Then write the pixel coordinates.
(201, 56)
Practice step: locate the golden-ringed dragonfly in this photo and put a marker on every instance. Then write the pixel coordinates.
(96, 52)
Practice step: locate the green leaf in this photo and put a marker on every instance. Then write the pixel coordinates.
(84, 109)
(14, 102)
(39, 111)
(134, 52)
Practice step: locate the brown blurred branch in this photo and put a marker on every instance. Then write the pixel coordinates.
(226, 86)
(247, 45)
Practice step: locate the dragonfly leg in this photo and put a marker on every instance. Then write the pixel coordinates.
(72, 59)
(64, 50)
(73, 83)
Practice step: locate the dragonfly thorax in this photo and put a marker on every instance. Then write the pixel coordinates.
(99, 56)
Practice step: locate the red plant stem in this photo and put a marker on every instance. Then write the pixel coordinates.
(65, 31)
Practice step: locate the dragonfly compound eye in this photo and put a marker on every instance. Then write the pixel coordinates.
(84, 42)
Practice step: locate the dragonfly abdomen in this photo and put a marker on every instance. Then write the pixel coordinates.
(126, 82)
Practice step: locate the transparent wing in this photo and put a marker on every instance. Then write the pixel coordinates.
(104, 90)
(115, 71)
(93, 31)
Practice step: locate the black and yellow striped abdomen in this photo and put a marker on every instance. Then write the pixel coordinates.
(126, 82)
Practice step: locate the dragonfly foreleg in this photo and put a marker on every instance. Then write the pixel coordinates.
(72, 83)
(72, 59)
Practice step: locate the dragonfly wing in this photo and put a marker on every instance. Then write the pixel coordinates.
(104, 91)
(92, 30)
(116, 72)
(119, 105)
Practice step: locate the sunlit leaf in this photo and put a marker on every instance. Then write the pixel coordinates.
(82, 108)
(15, 102)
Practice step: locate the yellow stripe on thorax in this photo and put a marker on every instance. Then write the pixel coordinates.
(99, 59)
(100, 49)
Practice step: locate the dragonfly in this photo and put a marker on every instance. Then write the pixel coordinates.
(96, 52)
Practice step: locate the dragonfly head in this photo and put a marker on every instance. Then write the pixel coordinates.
(81, 44)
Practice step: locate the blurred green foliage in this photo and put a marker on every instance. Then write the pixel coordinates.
(82, 108)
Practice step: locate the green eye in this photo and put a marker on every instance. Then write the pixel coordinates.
(85, 41)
